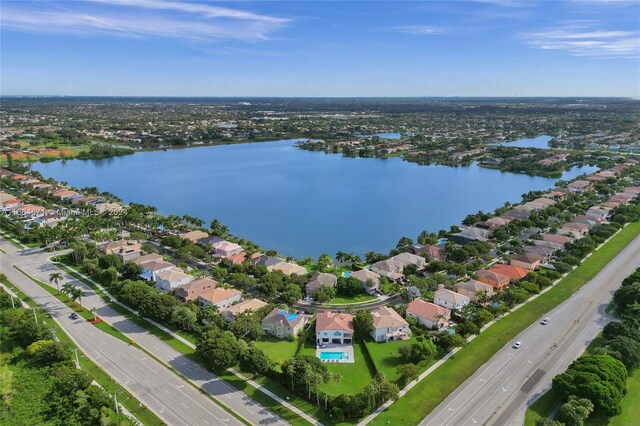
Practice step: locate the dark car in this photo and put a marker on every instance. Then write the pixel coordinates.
(74, 316)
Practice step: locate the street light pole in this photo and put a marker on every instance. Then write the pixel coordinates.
(115, 398)
(75, 351)
(34, 314)
(13, 304)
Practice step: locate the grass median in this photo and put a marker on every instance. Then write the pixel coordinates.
(426, 395)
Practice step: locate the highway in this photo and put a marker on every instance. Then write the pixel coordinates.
(499, 392)
(173, 399)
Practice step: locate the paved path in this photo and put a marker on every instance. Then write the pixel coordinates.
(143, 376)
(498, 393)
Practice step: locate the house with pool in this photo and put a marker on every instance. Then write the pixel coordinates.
(283, 324)
(334, 337)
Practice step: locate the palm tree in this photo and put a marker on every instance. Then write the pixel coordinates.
(55, 278)
(341, 256)
(77, 293)
(93, 311)
(67, 288)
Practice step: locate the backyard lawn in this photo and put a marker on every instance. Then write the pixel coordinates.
(344, 300)
(427, 394)
(386, 356)
(354, 376)
(278, 350)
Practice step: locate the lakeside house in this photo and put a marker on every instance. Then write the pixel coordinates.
(450, 299)
(370, 280)
(171, 279)
(193, 289)
(288, 268)
(193, 236)
(126, 250)
(49, 220)
(334, 328)
(282, 324)
(220, 297)
(225, 249)
(495, 280)
(473, 289)
(428, 314)
(320, 279)
(471, 233)
(388, 325)
(393, 267)
(432, 251)
(249, 305)
(259, 259)
(578, 185)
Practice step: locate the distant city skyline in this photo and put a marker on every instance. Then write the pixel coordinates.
(482, 48)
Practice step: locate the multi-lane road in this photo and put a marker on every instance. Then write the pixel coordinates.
(499, 392)
(173, 399)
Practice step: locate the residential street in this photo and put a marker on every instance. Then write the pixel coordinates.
(170, 397)
(498, 393)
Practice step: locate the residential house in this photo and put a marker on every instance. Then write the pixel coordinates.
(388, 325)
(428, 314)
(258, 259)
(515, 273)
(249, 305)
(226, 249)
(473, 289)
(282, 324)
(432, 251)
(9, 204)
(393, 268)
(220, 297)
(450, 299)
(320, 279)
(526, 260)
(471, 233)
(334, 328)
(598, 213)
(194, 236)
(209, 241)
(152, 268)
(544, 249)
(29, 211)
(50, 220)
(64, 194)
(191, 290)
(103, 208)
(146, 258)
(577, 230)
(578, 186)
(519, 212)
(288, 268)
(126, 250)
(171, 279)
(557, 238)
(370, 280)
(495, 280)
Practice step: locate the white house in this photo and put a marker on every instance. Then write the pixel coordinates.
(334, 328)
(172, 279)
(450, 299)
(151, 269)
(389, 325)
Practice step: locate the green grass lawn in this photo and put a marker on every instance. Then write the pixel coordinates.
(354, 376)
(344, 300)
(630, 403)
(541, 408)
(426, 395)
(386, 357)
(278, 350)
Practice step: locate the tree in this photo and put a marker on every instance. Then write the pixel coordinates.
(56, 277)
(449, 341)
(291, 294)
(626, 350)
(76, 294)
(218, 349)
(407, 373)
(348, 286)
(217, 228)
(254, 360)
(324, 262)
(241, 281)
(575, 411)
(183, 317)
(423, 351)
(324, 294)
(110, 275)
(547, 422)
(246, 326)
(363, 324)
(47, 352)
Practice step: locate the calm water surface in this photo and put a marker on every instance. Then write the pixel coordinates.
(299, 202)
(541, 142)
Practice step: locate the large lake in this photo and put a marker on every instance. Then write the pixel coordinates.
(299, 202)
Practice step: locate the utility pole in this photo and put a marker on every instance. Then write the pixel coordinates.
(53, 334)
(34, 314)
(75, 351)
(13, 304)
(115, 398)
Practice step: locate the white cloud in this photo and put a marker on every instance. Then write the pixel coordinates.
(420, 29)
(582, 39)
(187, 21)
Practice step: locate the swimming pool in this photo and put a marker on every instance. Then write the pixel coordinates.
(346, 274)
(333, 355)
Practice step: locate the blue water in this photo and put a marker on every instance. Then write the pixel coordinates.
(332, 355)
(541, 142)
(298, 202)
(346, 274)
(291, 316)
(383, 135)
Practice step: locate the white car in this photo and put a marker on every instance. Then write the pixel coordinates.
(517, 345)
(545, 321)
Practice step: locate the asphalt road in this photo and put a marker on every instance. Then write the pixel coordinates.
(170, 397)
(499, 392)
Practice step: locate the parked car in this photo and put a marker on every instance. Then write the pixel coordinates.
(517, 344)
(545, 321)
(74, 316)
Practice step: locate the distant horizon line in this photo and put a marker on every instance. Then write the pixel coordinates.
(318, 97)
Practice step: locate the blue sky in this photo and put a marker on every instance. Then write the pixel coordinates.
(330, 48)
